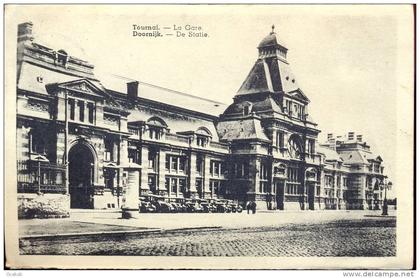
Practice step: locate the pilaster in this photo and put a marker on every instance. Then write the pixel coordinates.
(206, 176)
(161, 173)
(144, 186)
(192, 175)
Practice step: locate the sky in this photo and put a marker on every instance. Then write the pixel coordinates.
(352, 62)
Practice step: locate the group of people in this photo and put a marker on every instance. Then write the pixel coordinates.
(251, 206)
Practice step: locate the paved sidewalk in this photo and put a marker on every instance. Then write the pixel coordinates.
(107, 222)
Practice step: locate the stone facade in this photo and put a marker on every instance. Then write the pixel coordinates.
(103, 141)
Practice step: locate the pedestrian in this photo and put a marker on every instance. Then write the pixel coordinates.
(254, 207)
(248, 206)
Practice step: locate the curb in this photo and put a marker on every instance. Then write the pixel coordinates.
(87, 235)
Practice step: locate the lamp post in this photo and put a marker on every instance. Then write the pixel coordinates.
(40, 158)
(385, 205)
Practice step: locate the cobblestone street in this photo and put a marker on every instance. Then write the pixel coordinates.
(369, 236)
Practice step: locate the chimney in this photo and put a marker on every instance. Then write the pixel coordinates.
(359, 138)
(133, 89)
(350, 136)
(25, 31)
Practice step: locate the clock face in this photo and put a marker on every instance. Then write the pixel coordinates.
(294, 149)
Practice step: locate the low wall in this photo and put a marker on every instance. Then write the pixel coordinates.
(31, 205)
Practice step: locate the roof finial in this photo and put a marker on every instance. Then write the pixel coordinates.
(272, 28)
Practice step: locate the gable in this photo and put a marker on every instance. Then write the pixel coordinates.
(84, 87)
(298, 95)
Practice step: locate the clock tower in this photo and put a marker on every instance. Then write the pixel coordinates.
(274, 160)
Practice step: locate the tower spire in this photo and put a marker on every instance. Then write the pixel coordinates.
(272, 29)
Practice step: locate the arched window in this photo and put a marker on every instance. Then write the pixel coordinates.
(156, 127)
(203, 136)
(295, 147)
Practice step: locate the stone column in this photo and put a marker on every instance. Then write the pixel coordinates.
(144, 186)
(123, 159)
(363, 204)
(115, 151)
(86, 111)
(161, 174)
(192, 175)
(254, 172)
(206, 179)
(61, 102)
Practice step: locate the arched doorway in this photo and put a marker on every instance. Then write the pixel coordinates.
(81, 175)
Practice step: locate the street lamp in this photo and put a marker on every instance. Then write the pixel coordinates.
(385, 205)
(40, 158)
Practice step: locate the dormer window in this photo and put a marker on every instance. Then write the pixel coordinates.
(201, 141)
(202, 137)
(154, 133)
(62, 57)
(247, 108)
(156, 127)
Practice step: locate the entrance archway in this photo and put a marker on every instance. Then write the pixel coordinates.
(81, 176)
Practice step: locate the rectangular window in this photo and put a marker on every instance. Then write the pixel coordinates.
(182, 164)
(174, 163)
(263, 171)
(167, 180)
(134, 155)
(152, 159)
(154, 133)
(173, 185)
(280, 139)
(91, 111)
(201, 141)
(182, 186)
(167, 162)
(199, 164)
(71, 108)
(216, 168)
(222, 168)
(109, 150)
(199, 186)
(152, 183)
(81, 105)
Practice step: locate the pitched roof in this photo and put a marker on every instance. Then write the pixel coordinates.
(330, 154)
(353, 157)
(269, 75)
(29, 74)
(163, 95)
(244, 129)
